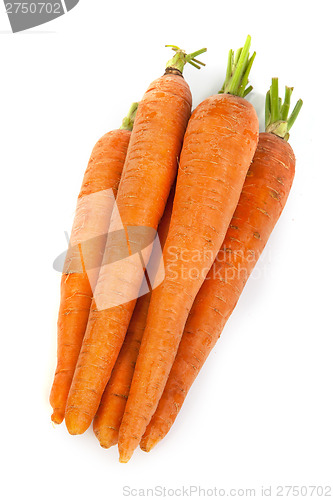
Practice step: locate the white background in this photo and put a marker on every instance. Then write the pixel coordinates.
(261, 411)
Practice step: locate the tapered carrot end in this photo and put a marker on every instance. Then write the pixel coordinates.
(147, 443)
(124, 455)
(57, 416)
(76, 422)
(107, 437)
(123, 459)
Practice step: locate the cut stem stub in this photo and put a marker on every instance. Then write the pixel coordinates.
(238, 70)
(128, 121)
(180, 58)
(276, 113)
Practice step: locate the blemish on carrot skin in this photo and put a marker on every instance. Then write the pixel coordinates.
(280, 181)
(217, 311)
(108, 427)
(123, 396)
(263, 211)
(63, 370)
(256, 235)
(274, 194)
(283, 164)
(220, 298)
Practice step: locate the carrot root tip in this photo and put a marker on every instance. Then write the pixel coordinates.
(57, 417)
(124, 456)
(147, 445)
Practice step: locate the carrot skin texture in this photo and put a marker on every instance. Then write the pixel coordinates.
(149, 172)
(103, 172)
(219, 144)
(110, 412)
(263, 198)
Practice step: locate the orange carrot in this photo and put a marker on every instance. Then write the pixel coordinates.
(263, 198)
(89, 230)
(110, 412)
(149, 173)
(219, 144)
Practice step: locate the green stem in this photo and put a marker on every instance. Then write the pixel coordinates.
(229, 70)
(280, 104)
(294, 114)
(275, 100)
(276, 115)
(247, 90)
(238, 69)
(128, 121)
(286, 104)
(181, 58)
(237, 55)
(245, 78)
(267, 109)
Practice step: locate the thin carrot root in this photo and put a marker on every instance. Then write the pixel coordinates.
(57, 416)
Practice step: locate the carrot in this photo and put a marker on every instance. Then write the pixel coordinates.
(219, 144)
(149, 172)
(110, 412)
(89, 230)
(263, 198)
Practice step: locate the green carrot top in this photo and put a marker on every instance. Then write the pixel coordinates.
(180, 58)
(128, 121)
(276, 113)
(238, 70)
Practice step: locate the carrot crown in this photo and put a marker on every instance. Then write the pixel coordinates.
(128, 121)
(276, 113)
(238, 70)
(177, 63)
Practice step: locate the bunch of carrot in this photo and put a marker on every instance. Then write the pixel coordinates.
(134, 329)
